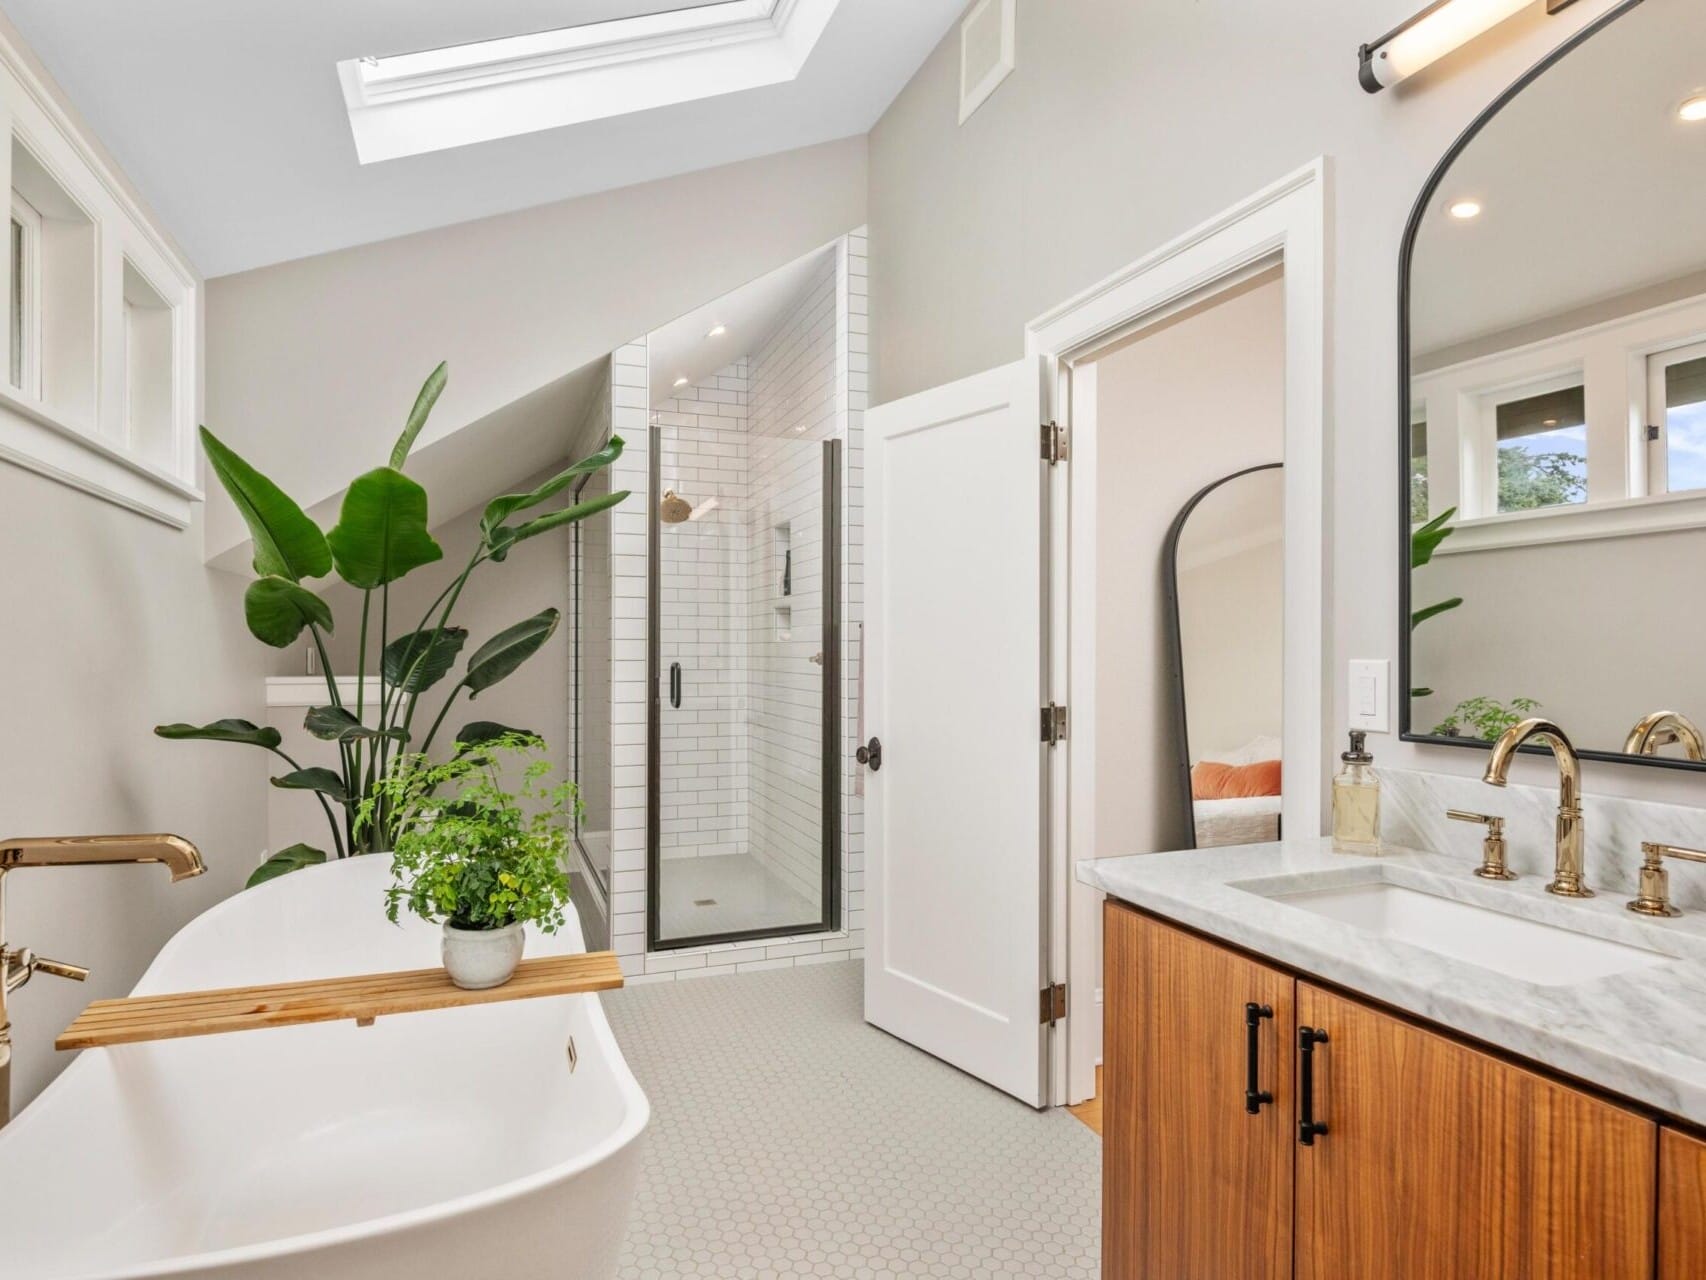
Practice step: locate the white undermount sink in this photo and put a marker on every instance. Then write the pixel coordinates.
(1545, 954)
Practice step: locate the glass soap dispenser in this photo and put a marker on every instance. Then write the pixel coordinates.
(1356, 801)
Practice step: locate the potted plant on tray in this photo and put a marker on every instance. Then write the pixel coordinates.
(471, 854)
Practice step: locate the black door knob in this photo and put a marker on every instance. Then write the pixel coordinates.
(871, 754)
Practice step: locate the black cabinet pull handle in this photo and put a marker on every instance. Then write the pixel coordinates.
(1254, 1094)
(675, 685)
(1308, 1128)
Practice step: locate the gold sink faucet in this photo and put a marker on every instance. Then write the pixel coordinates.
(1661, 729)
(1567, 878)
(19, 964)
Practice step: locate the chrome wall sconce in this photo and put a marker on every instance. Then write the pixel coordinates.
(1430, 35)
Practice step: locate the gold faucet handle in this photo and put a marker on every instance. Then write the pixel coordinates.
(1492, 847)
(20, 964)
(1654, 896)
(1494, 824)
(60, 969)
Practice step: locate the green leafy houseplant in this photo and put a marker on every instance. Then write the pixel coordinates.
(467, 851)
(1424, 541)
(381, 536)
(1486, 716)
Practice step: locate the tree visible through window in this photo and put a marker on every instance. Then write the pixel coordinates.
(1543, 450)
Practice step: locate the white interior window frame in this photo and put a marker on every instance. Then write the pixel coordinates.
(1655, 417)
(1613, 356)
(85, 448)
(28, 219)
(1481, 444)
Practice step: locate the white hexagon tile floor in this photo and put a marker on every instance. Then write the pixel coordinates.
(788, 1138)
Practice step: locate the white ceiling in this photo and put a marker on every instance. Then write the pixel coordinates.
(750, 314)
(1591, 187)
(229, 117)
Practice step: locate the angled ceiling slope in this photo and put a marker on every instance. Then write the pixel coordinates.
(234, 127)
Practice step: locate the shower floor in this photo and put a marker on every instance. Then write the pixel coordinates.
(728, 893)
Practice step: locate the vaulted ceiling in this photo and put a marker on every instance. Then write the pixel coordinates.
(230, 119)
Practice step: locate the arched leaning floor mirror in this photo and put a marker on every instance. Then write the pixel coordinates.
(1553, 456)
(1224, 573)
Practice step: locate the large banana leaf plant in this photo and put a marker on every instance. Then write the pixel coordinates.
(381, 536)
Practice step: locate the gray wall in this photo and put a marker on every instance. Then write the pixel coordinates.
(114, 626)
(332, 349)
(1125, 125)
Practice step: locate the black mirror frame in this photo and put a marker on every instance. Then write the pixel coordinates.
(1175, 633)
(1412, 229)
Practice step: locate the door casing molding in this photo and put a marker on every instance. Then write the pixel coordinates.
(1285, 223)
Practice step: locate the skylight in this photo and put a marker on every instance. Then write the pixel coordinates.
(409, 103)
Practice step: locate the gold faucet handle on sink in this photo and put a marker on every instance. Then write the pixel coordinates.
(1492, 848)
(1654, 897)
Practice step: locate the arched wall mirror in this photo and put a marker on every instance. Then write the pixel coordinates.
(1553, 392)
(1224, 571)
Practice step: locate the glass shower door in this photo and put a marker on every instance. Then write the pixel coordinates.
(744, 784)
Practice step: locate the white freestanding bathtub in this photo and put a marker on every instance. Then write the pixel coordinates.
(461, 1143)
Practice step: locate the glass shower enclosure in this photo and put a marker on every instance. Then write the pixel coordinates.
(744, 781)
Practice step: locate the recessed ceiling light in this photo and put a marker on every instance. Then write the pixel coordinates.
(717, 331)
(1549, 422)
(1463, 210)
(1694, 109)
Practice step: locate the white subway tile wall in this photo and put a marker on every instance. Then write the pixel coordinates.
(702, 757)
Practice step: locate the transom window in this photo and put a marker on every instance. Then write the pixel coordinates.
(1676, 396)
(1542, 442)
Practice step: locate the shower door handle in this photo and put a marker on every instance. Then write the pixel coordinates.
(675, 685)
(871, 754)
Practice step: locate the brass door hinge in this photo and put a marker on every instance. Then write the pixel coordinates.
(1053, 1004)
(1055, 445)
(1054, 724)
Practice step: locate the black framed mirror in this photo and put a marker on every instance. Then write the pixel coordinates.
(1552, 392)
(1223, 573)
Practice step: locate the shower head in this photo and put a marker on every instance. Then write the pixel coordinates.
(673, 508)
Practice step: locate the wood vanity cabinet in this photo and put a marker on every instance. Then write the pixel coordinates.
(1682, 1206)
(1437, 1160)
(1193, 1182)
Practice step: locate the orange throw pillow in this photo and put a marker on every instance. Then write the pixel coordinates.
(1211, 780)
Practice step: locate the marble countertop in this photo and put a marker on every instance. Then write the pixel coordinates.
(1641, 1034)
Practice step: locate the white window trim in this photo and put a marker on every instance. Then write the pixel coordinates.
(1656, 417)
(408, 104)
(29, 362)
(92, 456)
(1481, 444)
(974, 96)
(1613, 358)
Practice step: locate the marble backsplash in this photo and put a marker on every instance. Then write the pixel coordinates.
(1412, 812)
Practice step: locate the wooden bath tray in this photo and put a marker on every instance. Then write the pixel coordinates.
(288, 1004)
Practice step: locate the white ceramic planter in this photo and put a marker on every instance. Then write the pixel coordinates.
(479, 958)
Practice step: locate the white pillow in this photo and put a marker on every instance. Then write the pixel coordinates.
(1258, 748)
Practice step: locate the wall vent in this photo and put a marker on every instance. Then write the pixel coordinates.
(986, 52)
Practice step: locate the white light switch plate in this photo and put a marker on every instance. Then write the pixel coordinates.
(1370, 692)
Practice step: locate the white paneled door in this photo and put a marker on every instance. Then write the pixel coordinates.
(956, 560)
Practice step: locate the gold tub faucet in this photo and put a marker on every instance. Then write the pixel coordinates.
(19, 964)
